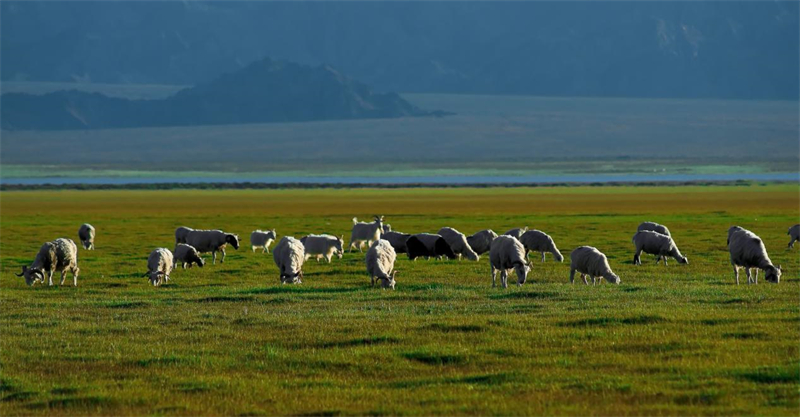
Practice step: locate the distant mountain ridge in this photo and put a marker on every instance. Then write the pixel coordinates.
(648, 49)
(263, 92)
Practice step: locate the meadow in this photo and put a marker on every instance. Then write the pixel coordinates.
(228, 339)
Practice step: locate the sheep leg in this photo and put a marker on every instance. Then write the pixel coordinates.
(50, 278)
(637, 260)
(63, 277)
(494, 276)
(584, 279)
(213, 257)
(594, 281)
(253, 248)
(755, 278)
(372, 279)
(542, 257)
(736, 273)
(504, 278)
(222, 261)
(749, 279)
(571, 276)
(665, 260)
(75, 272)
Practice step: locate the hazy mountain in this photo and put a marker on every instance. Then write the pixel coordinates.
(723, 49)
(264, 91)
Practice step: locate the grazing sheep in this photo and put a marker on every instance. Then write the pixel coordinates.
(365, 232)
(323, 246)
(387, 228)
(262, 239)
(428, 245)
(380, 263)
(748, 252)
(289, 256)
(481, 242)
(506, 253)
(86, 236)
(538, 241)
(656, 244)
(653, 227)
(590, 261)
(517, 233)
(397, 240)
(212, 241)
(794, 234)
(187, 254)
(181, 233)
(458, 243)
(159, 266)
(58, 255)
(732, 230)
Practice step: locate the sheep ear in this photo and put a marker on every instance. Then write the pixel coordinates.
(779, 267)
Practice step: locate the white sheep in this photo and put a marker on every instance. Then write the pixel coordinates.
(458, 243)
(186, 255)
(794, 235)
(507, 253)
(323, 246)
(365, 232)
(748, 252)
(58, 255)
(181, 233)
(517, 232)
(212, 241)
(590, 261)
(657, 244)
(380, 263)
(86, 236)
(653, 227)
(159, 266)
(538, 241)
(289, 256)
(262, 239)
(481, 241)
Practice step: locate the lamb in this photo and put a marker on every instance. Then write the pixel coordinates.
(506, 253)
(517, 233)
(58, 255)
(323, 246)
(748, 252)
(186, 254)
(211, 241)
(590, 261)
(86, 236)
(481, 241)
(458, 243)
(380, 263)
(181, 233)
(365, 232)
(538, 241)
(262, 239)
(428, 245)
(289, 256)
(397, 240)
(653, 227)
(159, 266)
(656, 244)
(794, 234)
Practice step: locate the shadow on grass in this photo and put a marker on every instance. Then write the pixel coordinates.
(528, 295)
(299, 289)
(611, 321)
(365, 341)
(76, 402)
(126, 304)
(432, 358)
(484, 379)
(772, 375)
(224, 299)
(448, 328)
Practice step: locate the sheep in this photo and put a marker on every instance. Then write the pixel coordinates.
(159, 266)
(387, 228)
(731, 231)
(458, 243)
(517, 232)
(794, 234)
(653, 227)
(506, 253)
(590, 261)
(186, 254)
(365, 232)
(289, 256)
(323, 246)
(262, 239)
(58, 255)
(657, 244)
(428, 245)
(397, 240)
(211, 241)
(380, 263)
(86, 236)
(481, 241)
(538, 241)
(748, 252)
(181, 233)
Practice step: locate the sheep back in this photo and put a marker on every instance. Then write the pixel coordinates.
(481, 241)
(458, 243)
(397, 240)
(653, 227)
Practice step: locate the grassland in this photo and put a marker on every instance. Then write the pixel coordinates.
(229, 340)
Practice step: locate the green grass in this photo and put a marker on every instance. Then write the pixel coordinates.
(229, 340)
